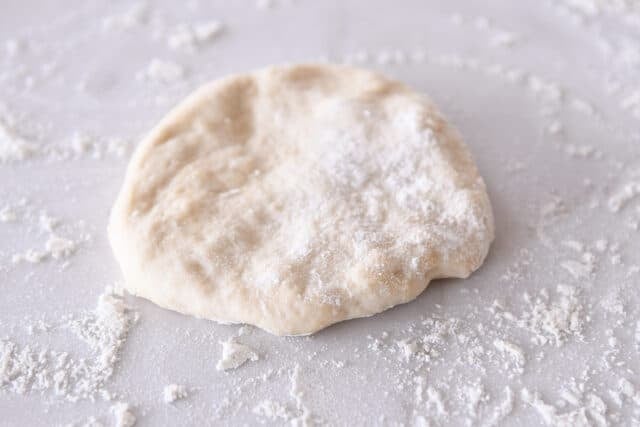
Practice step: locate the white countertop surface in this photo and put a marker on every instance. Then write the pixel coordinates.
(547, 97)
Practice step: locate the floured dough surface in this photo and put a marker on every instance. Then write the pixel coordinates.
(295, 197)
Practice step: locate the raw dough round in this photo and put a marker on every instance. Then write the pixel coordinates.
(299, 196)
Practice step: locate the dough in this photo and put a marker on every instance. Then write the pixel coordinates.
(298, 196)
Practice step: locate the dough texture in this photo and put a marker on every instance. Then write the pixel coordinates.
(295, 197)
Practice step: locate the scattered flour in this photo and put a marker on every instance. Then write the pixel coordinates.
(408, 348)
(8, 214)
(513, 352)
(498, 37)
(304, 417)
(83, 144)
(551, 320)
(55, 247)
(592, 412)
(297, 415)
(123, 415)
(554, 321)
(631, 103)
(173, 392)
(60, 247)
(582, 269)
(12, 47)
(13, 145)
(89, 422)
(272, 411)
(473, 394)
(31, 256)
(434, 403)
(191, 37)
(104, 330)
(623, 196)
(235, 355)
(552, 317)
(500, 412)
(134, 16)
(264, 4)
(159, 71)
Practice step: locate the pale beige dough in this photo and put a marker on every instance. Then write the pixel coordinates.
(299, 196)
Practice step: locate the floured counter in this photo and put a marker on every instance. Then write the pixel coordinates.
(546, 333)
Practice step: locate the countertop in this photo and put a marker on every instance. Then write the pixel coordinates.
(546, 95)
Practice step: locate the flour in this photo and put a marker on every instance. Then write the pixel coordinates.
(551, 320)
(297, 415)
(31, 256)
(574, 244)
(626, 391)
(8, 214)
(473, 393)
(500, 412)
(104, 330)
(55, 247)
(549, 92)
(59, 247)
(303, 417)
(13, 145)
(498, 37)
(83, 144)
(554, 321)
(592, 412)
(162, 72)
(624, 196)
(613, 304)
(272, 411)
(408, 348)
(89, 422)
(21, 142)
(631, 103)
(434, 403)
(173, 392)
(191, 37)
(582, 269)
(582, 151)
(235, 355)
(555, 128)
(60, 241)
(47, 223)
(123, 414)
(264, 4)
(134, 16)
(513, 352)
(12, 47)
(503, 39)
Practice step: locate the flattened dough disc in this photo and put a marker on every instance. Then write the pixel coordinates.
(295, 197)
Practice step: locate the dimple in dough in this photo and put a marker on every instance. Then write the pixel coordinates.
(295, 197)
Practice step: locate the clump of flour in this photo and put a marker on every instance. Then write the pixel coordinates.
(174, 392)
(235, 355)
(123, 415)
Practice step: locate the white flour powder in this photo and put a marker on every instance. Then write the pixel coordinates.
(235, 355)
(123, 415)
(173, 392)
(26, 369)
